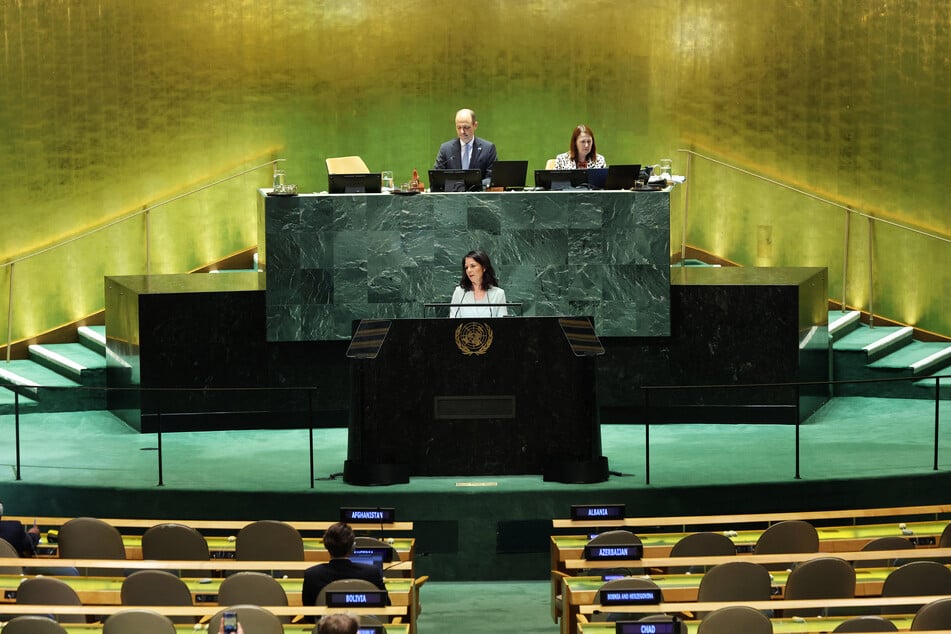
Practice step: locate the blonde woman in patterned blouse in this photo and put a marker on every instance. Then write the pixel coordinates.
(582, 153)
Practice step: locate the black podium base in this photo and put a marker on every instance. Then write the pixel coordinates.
(587, 472)
(368, 474)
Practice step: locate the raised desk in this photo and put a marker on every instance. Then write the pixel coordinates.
(106, 590)
(331, 259)
(832, 539)
(224, 548)
(809, 625)
(575, 592)
(289, 628)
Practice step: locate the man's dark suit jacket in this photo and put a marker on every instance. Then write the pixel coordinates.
(316, 577)
(13, 532)
(450, 156)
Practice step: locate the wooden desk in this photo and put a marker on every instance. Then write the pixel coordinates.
(683, 521)
(100, 593)
(222, 547)
(215, 525)
(832, 539)
(650, 563)
(289, 628)
(868, 605)
(810, 625)
(575, 592)
(106, 590)
(198, 611)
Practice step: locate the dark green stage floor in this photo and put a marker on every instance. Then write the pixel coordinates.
(855, 452)
(482, 541)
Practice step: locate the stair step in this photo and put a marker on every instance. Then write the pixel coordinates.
(52, 391)
(864, 338)
(842, 323)
(74, 360)
(93, 337)
(918, 357)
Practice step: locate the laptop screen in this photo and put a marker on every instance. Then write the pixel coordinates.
(622, 176)
(509, 174)
(455, 180)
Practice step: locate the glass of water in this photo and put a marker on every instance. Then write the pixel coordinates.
(278, 181)
(387, 178)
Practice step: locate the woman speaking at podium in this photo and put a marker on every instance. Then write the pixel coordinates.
(478, 287)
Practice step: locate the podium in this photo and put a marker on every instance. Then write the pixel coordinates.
(450, 397)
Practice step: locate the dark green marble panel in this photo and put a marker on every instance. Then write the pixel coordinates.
(332, 259)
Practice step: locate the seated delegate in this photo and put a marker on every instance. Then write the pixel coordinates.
(467, 151)
(582, 152)
(478, 287)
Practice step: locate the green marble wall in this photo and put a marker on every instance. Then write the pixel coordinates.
(332, 259)
(107, 107)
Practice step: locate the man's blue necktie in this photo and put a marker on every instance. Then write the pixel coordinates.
(465, 155)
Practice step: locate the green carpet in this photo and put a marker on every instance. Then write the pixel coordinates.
(855, 452)
(849, 437)
(480, 607)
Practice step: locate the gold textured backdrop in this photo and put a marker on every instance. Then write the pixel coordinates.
(107, 107)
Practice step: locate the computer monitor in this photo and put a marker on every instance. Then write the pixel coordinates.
(354, 183)
(509, 174)
(455, 180)
(560, 179)
(622, 176)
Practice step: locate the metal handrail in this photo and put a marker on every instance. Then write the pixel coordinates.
(848, 209)
(145, 210)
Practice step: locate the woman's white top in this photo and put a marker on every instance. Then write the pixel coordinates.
(485, 307)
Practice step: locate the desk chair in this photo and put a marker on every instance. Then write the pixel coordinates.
(735, 581)
(700, 545)
(49, 591)
(156, 587)
(176, 542)
(933, 616)
(91, 538)
(550, 164)
(821, 578)
(734, 619)
(270, 540)
(7, 550)
(253, 620)
(254, 588)
(790, 536)
(33, 625)
(916, 579)
(139, 622)
(347, 165)
(883, 543)
(866, 624)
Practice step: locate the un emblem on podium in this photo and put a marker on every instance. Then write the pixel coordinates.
(473, 338)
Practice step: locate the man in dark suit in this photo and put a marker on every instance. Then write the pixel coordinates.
(338, 540)
(24, 541)
(467, 151)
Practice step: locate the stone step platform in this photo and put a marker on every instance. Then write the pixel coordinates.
(93, 337)
(73, 360)
(861, 352)
(52, 391)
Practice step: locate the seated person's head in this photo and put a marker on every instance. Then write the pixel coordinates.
(339, 623)
(338, 540)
